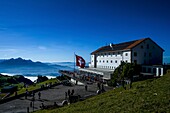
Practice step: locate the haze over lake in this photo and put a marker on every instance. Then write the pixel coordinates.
(30, 68)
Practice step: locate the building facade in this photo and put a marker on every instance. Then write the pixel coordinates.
(144, 52)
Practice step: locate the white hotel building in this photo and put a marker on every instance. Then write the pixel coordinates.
(143, 51)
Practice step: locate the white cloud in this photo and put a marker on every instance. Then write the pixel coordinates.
(9, 50)
(42, 48)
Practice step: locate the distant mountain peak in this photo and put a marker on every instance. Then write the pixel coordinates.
(20, 62)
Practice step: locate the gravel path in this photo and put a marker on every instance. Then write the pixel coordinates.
(48, 97)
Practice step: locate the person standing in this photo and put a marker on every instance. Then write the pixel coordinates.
(16, 93)
(26, 93)
(86, 87)
(103, 90)
(68, 92)
(72, 92)
(98, 85)
(33, 94)
(65, 95)
(39, 95)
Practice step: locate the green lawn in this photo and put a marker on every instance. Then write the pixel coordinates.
(151, 95)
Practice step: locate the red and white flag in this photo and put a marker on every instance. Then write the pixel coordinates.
(80, 61)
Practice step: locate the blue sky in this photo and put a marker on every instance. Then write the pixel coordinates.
(52, 30)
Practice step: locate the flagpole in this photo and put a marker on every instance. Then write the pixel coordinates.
(74, 62)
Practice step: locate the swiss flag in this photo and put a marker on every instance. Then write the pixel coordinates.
(80, 61)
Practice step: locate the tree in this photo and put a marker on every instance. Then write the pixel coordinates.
(125, 71)
(41, 78)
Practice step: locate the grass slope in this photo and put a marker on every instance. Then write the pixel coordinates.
(36, 86)
(151, 95)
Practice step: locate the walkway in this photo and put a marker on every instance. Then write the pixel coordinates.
(48, 97)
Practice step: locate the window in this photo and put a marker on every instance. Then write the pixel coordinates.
(126, 61)
(100, 61)
(144, 61)
(150, 54)
(147, 46)
(115, 61)
(92, 61)
(126, 54)
(107, 61)
(141, 46)
(111, 61)
(103, 61)
(144, 69)
(150, 61)
(149, 70)
(135, 53)
(135, 61)
(145, 54)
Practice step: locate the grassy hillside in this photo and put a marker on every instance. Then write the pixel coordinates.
(146, 96)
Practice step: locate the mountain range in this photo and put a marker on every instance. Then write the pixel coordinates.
(20, 62)
(28, 67)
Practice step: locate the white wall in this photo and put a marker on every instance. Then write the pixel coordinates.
(154, 56)
(149, 56)
(92, 63)
(111, 60)
(127, 56)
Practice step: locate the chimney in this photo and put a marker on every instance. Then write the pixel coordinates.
(111, 45)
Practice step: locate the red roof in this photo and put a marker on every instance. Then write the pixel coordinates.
(121, 46)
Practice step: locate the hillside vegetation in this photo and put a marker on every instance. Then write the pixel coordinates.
(20, 80)
(151, 95)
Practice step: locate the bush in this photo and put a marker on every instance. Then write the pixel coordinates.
(41, 79)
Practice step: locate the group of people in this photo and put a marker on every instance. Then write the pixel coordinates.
(81, 76)
(100, 87)
(68, 93)
(27, 93)
(46, 85)
(68, 72)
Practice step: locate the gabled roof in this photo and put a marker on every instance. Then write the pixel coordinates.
(121, 46)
